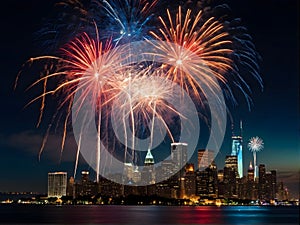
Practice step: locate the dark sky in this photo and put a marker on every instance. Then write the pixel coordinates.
(274, 115)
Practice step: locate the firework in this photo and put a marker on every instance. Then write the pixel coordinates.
(127, 20)
(192, 56)
(255, 145)
(202, 49)
(123, 20)
(143, 94)
(85, 61)
(63, 25)
(245, 57)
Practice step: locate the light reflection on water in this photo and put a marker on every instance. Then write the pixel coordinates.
(154, 215)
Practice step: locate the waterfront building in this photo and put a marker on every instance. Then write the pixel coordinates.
(190, 181)
(57, 184)
(179, 156)
(205, 158)
(230, 177)
(271, 185)
(237, 150)
(262, 182)
(86, 187)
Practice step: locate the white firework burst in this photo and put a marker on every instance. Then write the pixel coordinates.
(255, 144)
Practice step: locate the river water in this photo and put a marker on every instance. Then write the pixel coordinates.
(144, 215)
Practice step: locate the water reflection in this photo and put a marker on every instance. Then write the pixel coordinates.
(154, 215)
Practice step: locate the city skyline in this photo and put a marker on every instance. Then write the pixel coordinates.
(201, 185)
(273, 116)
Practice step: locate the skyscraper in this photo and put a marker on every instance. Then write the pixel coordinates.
(231, 162)
(179, 154)
(230, 177)
(190, 181)
(86, 187)
(85, 176)
(71, 187)
(205, 158)
(262, 181)
(57, 184)
(271, 185)
(179, 157)
(251, 186)
(148, 173)
(149, 160)
(250, 176)
(207, 181)
(237, 150)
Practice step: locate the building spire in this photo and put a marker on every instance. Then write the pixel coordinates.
(149, 160)
(241, 128)
(250, 166)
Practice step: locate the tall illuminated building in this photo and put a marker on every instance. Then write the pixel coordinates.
(251, 185)
(148, 172)
(205, 158)
(262, 181)
(230, 177)
(149, 160)
(231, 162)
(250, 176)
(271, 185)
(237, 150)
(179, 156)
(86, 187)
(71, 187)
(148, 175)
(85, 176)
(57, 184)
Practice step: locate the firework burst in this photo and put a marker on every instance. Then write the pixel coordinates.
(255, 145)
(202, 49)
(128, 20)
(199, 48)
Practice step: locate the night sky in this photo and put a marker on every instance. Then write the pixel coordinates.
(274, 116)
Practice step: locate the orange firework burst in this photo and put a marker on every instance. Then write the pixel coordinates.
(196, 50)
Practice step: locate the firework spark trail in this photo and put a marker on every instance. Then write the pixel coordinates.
(255, 145)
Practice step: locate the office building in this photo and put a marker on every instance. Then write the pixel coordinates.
(207, 182)
(179, 156)
(237, 150)
(230, 177)
(71, 187)
(190, 181)
(86, 187)
(262, 181)
(148, 172)
(205, 158)
(271, 185)
(57, 184)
